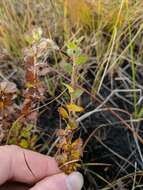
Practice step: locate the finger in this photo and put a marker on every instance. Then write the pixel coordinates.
(61, 182)
(74, 181)
(25, 166)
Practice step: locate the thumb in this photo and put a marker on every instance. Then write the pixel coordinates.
(61, 181)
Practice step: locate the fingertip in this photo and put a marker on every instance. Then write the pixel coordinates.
(75, 181)
(61, 181)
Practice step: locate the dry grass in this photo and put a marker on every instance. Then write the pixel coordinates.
(111, 79)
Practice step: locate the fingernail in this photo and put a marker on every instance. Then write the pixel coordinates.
(75, 181)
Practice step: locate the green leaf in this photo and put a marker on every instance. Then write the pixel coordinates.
(29, 39)
(72, 45)
(63, 113)
(29, 85)
(74, 107)
(23, 143)
(77, 93)
(79, 40)
(37, 33)
(81, 59)
(78, 51)
(68, 68)
(70, 52)
(70, 89)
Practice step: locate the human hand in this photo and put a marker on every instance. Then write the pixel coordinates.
(39, 171)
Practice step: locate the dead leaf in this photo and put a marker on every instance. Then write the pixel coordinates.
(8, 87)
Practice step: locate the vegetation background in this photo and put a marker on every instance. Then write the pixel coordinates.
(89, 84)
